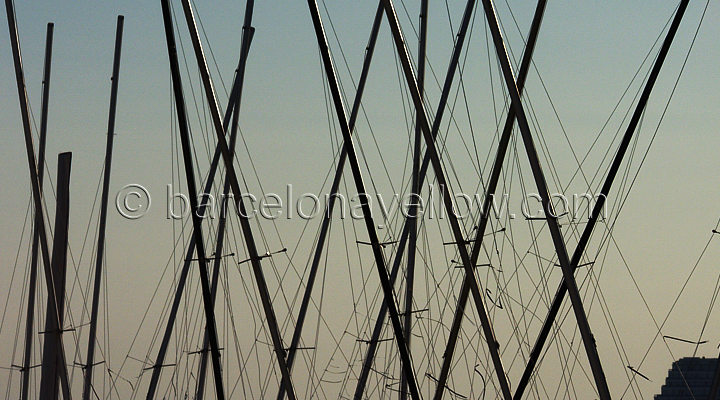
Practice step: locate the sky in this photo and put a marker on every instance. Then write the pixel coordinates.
(587, 54)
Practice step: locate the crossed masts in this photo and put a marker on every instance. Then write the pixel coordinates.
(427, 130)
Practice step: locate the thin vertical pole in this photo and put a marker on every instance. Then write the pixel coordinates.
(415, 192)
(237, 195)
(327, 216)
(598, 207)
(488, 332)
(558, 241)
(488, 200)
(402, 242)
(193, 194)
(363, 198)
(54, 326)
(87, 383)
(30, 317)
(246, 40)
(34, 179)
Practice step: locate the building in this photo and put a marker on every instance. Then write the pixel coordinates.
(689, 378)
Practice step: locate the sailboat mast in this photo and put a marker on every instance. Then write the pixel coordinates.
(182, 278)
(246, 40)
(195, 216)
(34, 181)
(490, 192)
(254, 257)
(327, 216)
(487, 328)
(385, 283)
(404, 236)
(53, 360)
(30, 317)
(562, 290)
(415, 192)
(87, 383)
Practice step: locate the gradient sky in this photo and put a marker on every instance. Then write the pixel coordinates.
(586, 54)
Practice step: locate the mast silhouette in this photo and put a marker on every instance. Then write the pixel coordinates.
(30, 316)
(36, 191)
(87, 382)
